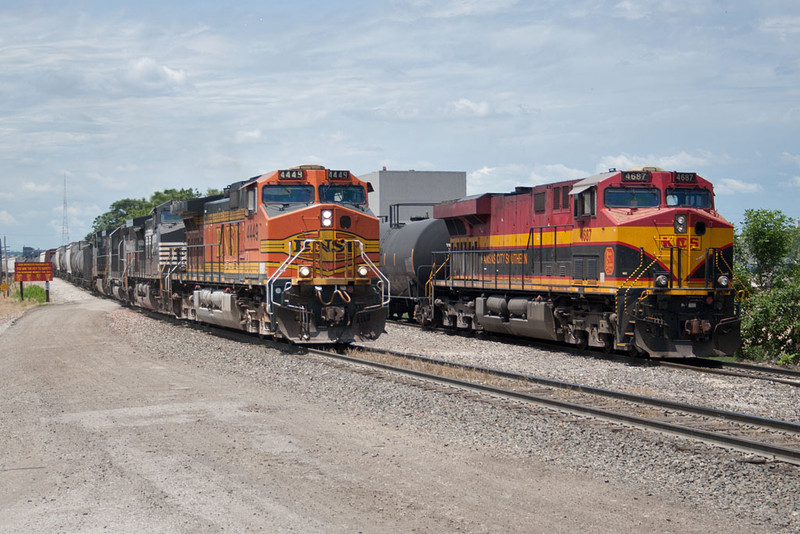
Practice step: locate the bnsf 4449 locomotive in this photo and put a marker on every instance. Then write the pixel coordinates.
(291, 254)
(637, 261)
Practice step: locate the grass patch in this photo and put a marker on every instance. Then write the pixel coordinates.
(32, 293)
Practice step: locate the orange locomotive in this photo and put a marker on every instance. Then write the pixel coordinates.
(625, 260)
(291, 253)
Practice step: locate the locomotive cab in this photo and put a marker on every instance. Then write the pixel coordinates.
(670, 255)
(291, 254)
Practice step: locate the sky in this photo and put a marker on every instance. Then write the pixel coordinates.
(121, 99)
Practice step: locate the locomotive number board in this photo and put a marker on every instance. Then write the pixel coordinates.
(291, 174)
(338, 175)
(685, 177)
(635, 176)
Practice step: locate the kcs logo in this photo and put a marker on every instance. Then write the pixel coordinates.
(669, 241)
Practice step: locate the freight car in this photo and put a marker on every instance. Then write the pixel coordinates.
(290, 254)
(637, 261)
(413, 244)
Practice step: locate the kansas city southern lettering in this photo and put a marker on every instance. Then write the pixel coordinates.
(503, 258)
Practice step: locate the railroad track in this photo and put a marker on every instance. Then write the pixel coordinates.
(763, 437)
(769, 439)
(790, 377)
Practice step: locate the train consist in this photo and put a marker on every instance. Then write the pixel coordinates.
(290, 254)
(636, 261)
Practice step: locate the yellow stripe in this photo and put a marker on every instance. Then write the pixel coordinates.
(224, 216)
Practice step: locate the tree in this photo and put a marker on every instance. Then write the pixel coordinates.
(771, 317)
(159, 197)
(771, 324)
(128, 208)
(767, 239)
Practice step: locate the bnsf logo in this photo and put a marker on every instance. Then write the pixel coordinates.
(669, 241)
(325, 245)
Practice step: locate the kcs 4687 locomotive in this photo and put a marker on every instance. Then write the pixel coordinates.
(290, 254)
(637, 261)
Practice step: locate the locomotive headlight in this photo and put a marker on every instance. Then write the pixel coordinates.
(723, 281)
(327, 218)
(662, 280)
(304, 271)
(363, 270)
(680, 224)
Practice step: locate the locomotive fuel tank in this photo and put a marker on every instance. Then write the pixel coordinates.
(406, 256)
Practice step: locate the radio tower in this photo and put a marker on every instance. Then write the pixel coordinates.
(64, 224)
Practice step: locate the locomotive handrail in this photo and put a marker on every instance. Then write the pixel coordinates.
(281, 269)
(744, 293)
(530, 248)
(429, 284)
(633, 280)
(383, 281)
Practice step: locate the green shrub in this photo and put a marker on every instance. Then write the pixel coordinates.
(771, 324)
(31, 292)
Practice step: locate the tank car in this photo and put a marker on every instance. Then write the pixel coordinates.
(637, 261)
(407, 260)
(80, 258)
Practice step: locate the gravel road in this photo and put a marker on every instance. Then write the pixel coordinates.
(111, 420)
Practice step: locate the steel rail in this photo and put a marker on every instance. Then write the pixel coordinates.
(787, 454)
(704, 367)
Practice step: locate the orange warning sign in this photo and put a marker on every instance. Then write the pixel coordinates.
(33, 272)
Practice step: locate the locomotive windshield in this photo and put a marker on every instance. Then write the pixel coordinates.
(695, 198)
(287, 194)
(632, 197)
(342, 194)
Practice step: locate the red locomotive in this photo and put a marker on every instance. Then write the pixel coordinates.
(637, 260)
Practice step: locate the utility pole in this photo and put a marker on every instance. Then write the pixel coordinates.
(5, 260)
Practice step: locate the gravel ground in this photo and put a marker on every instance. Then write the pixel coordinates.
(700, 475)
(779, 401)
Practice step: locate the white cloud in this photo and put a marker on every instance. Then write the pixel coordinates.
(37, 188)
(791, 158)
(458, 8)
(396, 110)
(242, 137)
(675, 162)
(643, 9)
(544, 174)
(467, 108)
(496, 179)
(795, 181)
(128, 167)
(782, 26)
(7, 218)
(147, 75)
(729, 186)
(505, 178)
(107, 182)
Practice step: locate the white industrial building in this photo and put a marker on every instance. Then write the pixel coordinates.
(414, 191)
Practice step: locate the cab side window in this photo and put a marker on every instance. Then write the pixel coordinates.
(586, 203)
